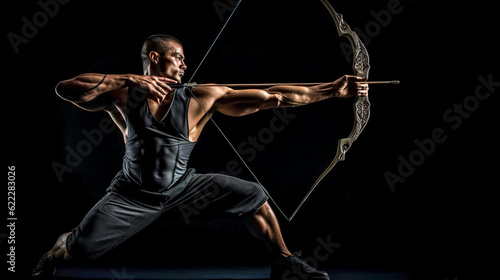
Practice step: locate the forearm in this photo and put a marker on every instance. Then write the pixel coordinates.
(345, 86)
(292, 96)
(87, 87)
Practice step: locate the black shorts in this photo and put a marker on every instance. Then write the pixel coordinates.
(119, 215)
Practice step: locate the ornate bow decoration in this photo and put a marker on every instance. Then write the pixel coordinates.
(361, 66)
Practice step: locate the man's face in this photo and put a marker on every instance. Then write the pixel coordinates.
(171, 64)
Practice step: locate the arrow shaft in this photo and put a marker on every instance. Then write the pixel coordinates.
(395, 82)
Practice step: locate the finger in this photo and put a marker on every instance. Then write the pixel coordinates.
(362, 86)
(170, 81)
(356, 79)
(160, 86)
(160, 96)
(165, 87)
(162, 83)
(362, 82)
(167, 80)
(155, 95)
(163, 91)
(157, 91)
(363, 90)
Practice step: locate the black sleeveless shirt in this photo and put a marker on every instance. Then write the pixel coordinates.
(157, 150)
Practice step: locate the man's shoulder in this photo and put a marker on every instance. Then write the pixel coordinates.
(210, 91)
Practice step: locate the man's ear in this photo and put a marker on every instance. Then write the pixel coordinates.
(154, 57)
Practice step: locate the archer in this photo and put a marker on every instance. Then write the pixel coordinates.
(161, 126)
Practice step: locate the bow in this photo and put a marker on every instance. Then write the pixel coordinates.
(361, 67)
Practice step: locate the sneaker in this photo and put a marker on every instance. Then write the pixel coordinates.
(44, 269)
(296, 268)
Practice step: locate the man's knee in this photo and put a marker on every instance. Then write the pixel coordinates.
(265, 209)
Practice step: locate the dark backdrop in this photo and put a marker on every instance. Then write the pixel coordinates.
(416, 190)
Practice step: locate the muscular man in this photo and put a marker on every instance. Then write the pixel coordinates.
(161, 126)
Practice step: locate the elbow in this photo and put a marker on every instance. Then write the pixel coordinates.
(64, 90)
(271, 102)
(59, 90)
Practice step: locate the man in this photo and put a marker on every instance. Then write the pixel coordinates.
(160, 126)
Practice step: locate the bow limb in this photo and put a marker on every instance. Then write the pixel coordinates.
(361, 66)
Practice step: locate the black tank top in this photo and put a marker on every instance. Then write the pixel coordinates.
(157, 151)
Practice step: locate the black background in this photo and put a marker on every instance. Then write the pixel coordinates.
(436, 224)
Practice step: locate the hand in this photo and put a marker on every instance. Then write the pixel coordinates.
(350, 86)
(155, 85)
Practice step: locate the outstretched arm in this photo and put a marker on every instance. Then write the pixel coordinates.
(243, 102)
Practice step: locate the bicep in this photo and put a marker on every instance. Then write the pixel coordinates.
(244, 102)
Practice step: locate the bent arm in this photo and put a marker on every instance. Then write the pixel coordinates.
(96, 92)
(87, 87)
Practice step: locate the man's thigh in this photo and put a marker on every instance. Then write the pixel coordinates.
(114, 219)
(215, 195)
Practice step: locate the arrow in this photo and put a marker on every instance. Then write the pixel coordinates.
(193, 85)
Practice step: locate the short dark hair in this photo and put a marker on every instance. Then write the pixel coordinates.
(158, 43)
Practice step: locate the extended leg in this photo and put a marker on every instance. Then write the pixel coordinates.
(110, 222)
(58, 253)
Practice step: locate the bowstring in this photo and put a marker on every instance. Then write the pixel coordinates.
(217, 126)
(213, 43)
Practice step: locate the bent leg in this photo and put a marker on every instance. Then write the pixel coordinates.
(264, 225)
(216, 194)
